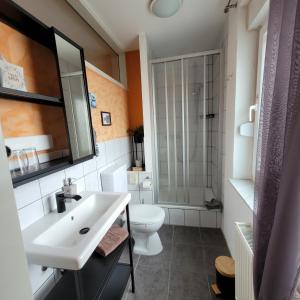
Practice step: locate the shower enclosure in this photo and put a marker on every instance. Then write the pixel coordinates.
(186, 93)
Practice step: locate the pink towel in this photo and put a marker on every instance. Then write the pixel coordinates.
(113, 238)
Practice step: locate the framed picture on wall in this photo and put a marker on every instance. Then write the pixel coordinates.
(93, 100)
(106, 118)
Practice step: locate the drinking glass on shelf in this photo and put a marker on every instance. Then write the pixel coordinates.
(33, 158)
(18, 162)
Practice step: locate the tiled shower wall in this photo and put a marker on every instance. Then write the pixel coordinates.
(165, 110)
(192, 217)
(37, 198)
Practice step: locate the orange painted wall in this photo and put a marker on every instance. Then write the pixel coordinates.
(26, 119)
(111, 98)
(135, 108)
(37, 61)
(19, 118)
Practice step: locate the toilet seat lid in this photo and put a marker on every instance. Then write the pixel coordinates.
(146, 214)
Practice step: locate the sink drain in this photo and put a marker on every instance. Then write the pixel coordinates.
(84, 230)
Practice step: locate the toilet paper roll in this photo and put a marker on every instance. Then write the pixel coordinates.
(147, 184)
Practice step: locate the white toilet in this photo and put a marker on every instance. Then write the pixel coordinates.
(145, 219)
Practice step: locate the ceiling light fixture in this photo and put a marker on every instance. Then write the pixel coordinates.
(165, 8)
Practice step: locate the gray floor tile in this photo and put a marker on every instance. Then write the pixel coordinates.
(166, 234)
(211, 253)
(212, 236)
(151, 283)
(125, 257)
(184, 270)
(188, 286)
(162, 258)
(189, 258)
(186, 235)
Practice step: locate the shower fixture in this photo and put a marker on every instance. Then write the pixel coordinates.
(207, 116)
(229, 6)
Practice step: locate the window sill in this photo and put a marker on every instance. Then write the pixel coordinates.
(245, 188)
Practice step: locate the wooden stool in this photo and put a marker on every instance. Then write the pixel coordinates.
(225, 276)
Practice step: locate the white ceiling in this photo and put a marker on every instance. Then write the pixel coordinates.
(198, 26)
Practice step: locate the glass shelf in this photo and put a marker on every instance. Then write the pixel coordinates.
(46, 168)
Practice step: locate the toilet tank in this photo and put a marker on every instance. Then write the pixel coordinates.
(114, 178)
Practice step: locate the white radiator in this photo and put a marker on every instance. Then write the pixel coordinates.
(244, 262)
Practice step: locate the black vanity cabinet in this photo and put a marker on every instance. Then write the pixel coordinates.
(75, 93)
(101, 278)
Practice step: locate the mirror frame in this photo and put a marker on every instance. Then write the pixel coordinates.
(63, 36)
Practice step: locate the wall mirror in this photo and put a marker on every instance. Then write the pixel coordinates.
(74, 86)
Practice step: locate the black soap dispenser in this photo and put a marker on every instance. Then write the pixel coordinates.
(60, 202)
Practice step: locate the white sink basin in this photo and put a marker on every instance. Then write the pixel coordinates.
(55, 240)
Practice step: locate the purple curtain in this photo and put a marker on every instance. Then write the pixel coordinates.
(277, 186)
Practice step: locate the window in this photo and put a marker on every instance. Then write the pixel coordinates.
(259, 89)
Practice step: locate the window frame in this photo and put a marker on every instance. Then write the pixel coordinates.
(259, 89)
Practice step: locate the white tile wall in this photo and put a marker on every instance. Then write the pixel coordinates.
(44, 289)
(208, 219)
(146, 197)
(37, 198)
(30, 213)
(219, 219)
(135, 197)
(101, 159)
(111, 152)
(167, 216)
(27, 194)
(80, 185)
(135, 181)
(38, 276)
(91, 182)
(52, 182)
(191, 218)
(89, 166)
(74, 172)
(176, 216)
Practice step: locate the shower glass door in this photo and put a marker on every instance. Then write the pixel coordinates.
(195, 128)
(169, 127)
(180, 123)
